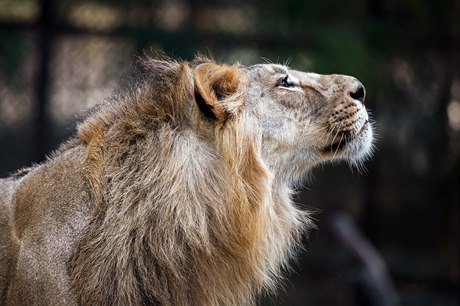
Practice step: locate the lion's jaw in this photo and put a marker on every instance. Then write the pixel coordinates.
(307, 118)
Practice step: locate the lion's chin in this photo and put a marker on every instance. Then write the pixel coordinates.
(352, 148)
(361, 147)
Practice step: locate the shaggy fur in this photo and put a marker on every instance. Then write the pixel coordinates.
(177, 190)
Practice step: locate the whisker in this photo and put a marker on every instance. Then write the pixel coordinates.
(287, 62)
(267, 60)
(336, 150)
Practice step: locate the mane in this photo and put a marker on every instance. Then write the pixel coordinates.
(179, 219)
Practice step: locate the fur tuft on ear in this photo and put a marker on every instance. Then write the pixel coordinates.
(214, 83)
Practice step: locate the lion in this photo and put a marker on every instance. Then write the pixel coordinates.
(177, 190)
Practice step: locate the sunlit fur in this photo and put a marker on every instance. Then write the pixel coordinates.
(177, 191)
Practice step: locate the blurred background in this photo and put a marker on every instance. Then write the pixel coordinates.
(386, 236)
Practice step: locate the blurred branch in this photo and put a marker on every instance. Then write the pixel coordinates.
(374, 277)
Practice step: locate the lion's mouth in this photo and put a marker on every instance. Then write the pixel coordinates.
(344, 138)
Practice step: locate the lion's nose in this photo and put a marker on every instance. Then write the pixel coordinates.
(359, 93)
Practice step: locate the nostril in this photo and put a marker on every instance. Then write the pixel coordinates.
(359, 93)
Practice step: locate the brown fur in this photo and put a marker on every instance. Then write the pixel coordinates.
(158, 200)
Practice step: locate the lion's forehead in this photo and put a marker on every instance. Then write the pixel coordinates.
(269, 68)
(277, 69)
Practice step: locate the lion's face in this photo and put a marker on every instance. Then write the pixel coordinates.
(307, 118)
(302, 118)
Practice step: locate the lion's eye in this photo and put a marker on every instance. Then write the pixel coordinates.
(284, 82)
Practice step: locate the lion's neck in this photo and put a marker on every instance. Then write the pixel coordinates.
(174, 225)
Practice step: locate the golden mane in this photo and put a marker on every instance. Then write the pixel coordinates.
(177, 191)
(181, 218)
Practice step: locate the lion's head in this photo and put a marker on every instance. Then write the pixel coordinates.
(303, 118)
(191, 173)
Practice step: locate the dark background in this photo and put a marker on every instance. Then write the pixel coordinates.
(58, 58)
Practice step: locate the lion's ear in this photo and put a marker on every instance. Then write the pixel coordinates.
(214, 83)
